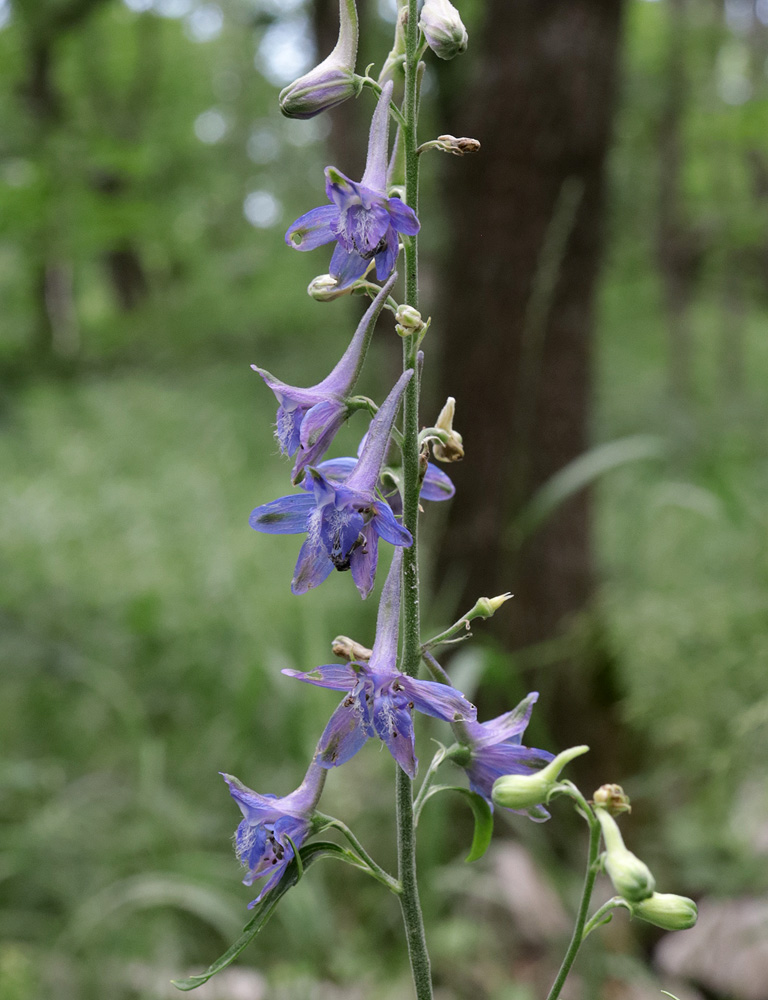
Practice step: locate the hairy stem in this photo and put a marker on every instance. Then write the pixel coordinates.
(586, 895)
(411, 654)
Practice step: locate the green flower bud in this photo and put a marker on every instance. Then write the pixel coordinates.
(324, 288)
(665, 909)
(631, 877)
(443, 28)
(523, 791)
(408, 321)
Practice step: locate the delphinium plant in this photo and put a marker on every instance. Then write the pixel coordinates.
(343, 507)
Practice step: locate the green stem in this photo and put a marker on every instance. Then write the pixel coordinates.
(411, 654)
(375, 870)
(586, 895)
(603, 915)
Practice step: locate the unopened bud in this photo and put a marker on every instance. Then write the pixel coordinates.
(443, 28)
(342, 645)
(324, 288)
(458, 147)
(488, 606)
(452, 449)
(334, 80)
(665, 909)
(524, 791)
(631, 877)
(613, 799)
(409, 321)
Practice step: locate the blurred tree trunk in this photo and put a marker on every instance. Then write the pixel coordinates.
(516, 310)
(678, 247)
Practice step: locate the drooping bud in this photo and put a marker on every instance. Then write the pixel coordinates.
(349, 649)
(408, 320)
(631, 877)
(443, 28)
(325, 288)
(665, 909)
(395, 61)
(452, 449)
(524, 791)
(333, 80)
(613, 799)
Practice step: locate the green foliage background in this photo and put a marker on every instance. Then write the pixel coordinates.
(143, 625)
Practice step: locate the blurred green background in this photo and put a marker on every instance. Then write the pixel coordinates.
(146, 179)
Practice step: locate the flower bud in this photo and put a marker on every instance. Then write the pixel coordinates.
(324, 288)
(665, 909)
(631, 877)
(443, 28)
(523, 791)
(613, 799)
(451, 450)
(333, 80)
(458, 147)
(343, 646)
(486, 607)
(409, 321)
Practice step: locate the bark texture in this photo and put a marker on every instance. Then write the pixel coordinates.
(516, 311)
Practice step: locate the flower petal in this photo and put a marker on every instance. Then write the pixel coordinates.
(336, 676)
(388, 528)
(286, 516)
(509, 726)
(336, 470)
(385, 259)
(312, 567)
(321, 421)
(342, 737)
(313, 229)
(394, 725)
(347, 266)
(363, 561)
(436, 485)
(403, 217)
(437, 700)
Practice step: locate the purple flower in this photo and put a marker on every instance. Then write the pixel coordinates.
(344, 521)
(262, 839)
(307, 419)
(361, 218)
(435, 486)
(380, 700)
(491, 749)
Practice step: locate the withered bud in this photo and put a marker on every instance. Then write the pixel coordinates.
(613, 799)
(458, 147)
(343, 646)
(452, 449)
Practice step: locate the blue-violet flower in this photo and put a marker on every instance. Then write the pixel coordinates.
(362, 220)
(344, 521)
(308, 419)
(380, 700)
(491, 749)
(269, 824)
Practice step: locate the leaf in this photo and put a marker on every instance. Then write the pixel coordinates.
(264, 910)
(483, 818)
(581, 472)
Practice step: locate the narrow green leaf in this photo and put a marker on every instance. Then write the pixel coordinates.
(264, 910)
(483, 818)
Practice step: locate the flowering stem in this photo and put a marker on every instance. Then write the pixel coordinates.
(411, 654)
(589, 882)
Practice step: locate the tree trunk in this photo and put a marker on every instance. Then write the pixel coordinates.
(516, 313)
